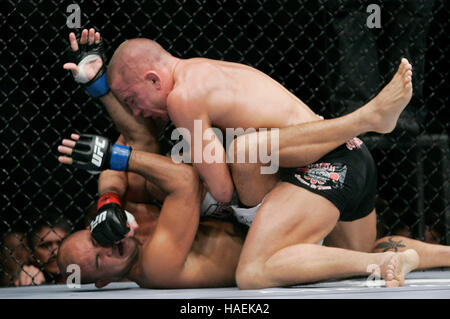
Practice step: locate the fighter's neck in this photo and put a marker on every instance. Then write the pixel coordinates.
(175, 62)
(136, 272)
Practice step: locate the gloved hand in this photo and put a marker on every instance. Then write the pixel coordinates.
(111, 223)
(94, 153)
(87, 62)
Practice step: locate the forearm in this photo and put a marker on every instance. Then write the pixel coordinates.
(111, 181)
(160, 170)
(217, 179)
(207, 152)
(209, 159)
(139, 132)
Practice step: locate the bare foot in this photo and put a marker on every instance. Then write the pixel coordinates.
(396, 265)
(384, 110)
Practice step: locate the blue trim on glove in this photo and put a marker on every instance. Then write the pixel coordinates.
(120, 154)
(99, 87)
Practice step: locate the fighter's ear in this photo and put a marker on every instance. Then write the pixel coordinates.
(102, 283)
(154, 78)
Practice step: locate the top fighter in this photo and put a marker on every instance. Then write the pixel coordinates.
(153, 83)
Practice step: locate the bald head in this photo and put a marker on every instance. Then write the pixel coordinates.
(133, 57)
(97, 263)
(141, 76)
(75, 249)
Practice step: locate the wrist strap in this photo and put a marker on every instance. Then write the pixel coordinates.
(108, 198)
(120, 154)
(99, 87)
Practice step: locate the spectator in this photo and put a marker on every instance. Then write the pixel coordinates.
(14, 253)
(44, 241)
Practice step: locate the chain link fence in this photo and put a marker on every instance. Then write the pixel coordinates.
(330, 54)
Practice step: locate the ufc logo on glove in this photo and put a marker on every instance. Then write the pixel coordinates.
(98, 153)
(99, 219)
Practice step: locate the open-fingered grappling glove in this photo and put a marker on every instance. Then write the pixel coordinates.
(95, 153)
(85, 55)
(112, 222)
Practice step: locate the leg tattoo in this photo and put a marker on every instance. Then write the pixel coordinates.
(390, 245)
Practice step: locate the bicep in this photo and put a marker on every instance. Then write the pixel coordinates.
(175, 232)
(207, 152)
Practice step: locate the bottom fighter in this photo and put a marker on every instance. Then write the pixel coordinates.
(171, 249)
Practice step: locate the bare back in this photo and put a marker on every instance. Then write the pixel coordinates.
(236, 95)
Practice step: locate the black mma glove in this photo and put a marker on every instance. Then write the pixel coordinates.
(85, 54)
(111, 224)
(95, 153)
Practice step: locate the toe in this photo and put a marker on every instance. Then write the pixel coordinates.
(408, 80)
(389, 274)
(392, 283)
(405, 68)
(401, 68)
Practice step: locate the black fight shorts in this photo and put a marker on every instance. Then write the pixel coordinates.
(346, 176)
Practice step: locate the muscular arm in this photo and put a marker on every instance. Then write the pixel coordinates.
(138, 132)
(165, 255)
(215, 174)
(128, 185)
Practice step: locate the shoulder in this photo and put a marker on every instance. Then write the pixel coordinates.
(192, 77)
(195, 65)
(181, 105)
(193, 89)
(186, 99)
